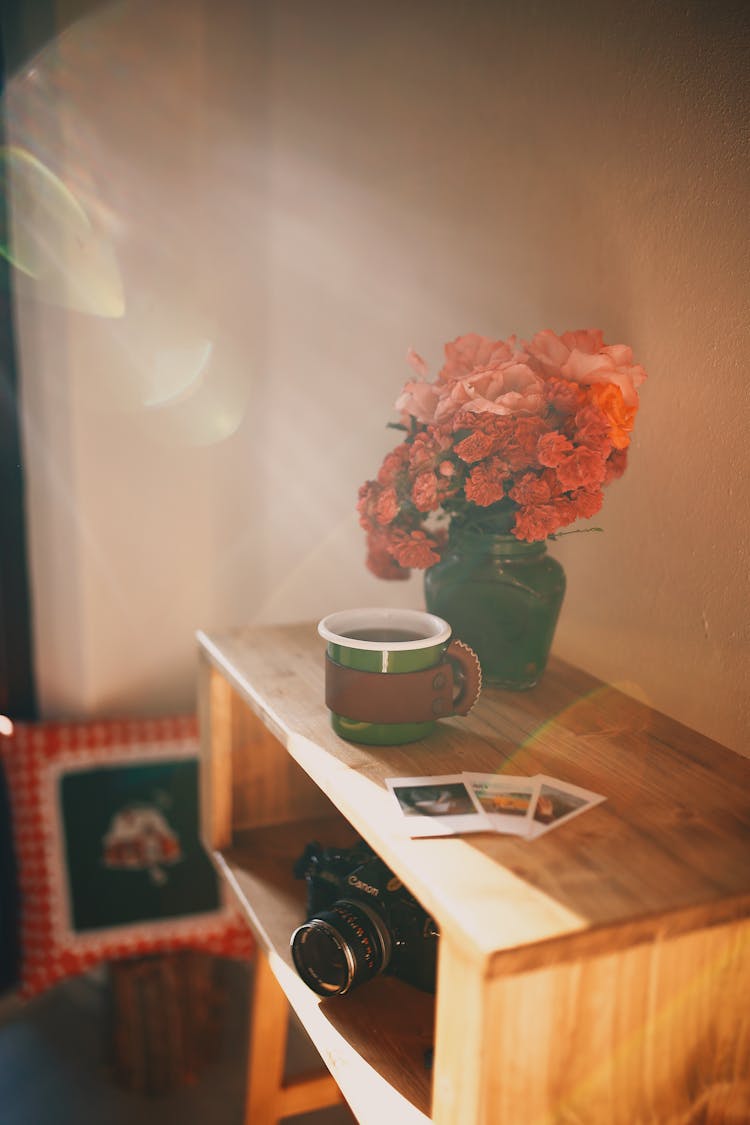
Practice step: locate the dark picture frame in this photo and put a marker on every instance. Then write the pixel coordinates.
(131, 842)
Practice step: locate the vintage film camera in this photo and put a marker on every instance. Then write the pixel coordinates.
(361, 921)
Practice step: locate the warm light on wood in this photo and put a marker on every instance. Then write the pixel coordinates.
(597, 974)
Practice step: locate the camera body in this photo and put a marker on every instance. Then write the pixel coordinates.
(361, 921)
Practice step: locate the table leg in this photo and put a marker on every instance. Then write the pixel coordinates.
(269, 1097)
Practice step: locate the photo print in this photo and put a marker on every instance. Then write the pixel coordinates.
(438, 806)
(558, 801)
(507, 801)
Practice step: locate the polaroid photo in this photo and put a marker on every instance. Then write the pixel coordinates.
(558, 801)
(438, 806)
(508, 801)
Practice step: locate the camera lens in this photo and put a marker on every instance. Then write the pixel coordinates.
(340, 948)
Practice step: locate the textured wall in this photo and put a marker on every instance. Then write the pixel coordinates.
(281, 198)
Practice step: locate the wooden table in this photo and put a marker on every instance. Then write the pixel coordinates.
(599, 975)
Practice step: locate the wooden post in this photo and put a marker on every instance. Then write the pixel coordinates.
(215, 711)
(269, 1098)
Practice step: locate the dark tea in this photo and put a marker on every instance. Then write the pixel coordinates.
(384, 635)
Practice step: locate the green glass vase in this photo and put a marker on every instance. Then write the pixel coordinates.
(502, 596)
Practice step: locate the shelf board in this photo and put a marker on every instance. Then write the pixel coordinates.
(373, 1040)
(674, 806)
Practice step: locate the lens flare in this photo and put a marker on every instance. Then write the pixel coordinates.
(59, 255)
(179, 373)
(37, 198)
(104, 201)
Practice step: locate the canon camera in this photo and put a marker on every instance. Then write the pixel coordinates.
(361, 921)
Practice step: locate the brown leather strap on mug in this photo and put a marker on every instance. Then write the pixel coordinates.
(449, 688)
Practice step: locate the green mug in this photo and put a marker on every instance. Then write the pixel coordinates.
(391, 673)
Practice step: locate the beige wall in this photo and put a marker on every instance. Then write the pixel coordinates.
(281, 198)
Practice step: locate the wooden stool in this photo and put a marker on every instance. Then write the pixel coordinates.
(165, 1010)
(269, 1097)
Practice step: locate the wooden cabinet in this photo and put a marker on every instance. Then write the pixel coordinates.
(599, 975)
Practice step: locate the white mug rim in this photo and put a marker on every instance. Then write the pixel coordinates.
(379, 617)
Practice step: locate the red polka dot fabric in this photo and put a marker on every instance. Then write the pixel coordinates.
(37, 760)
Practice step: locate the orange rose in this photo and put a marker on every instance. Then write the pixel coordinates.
(620, 417)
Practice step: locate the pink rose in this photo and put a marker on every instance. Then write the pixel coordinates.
(419, 399)
(510, 387)
(464, 354)
(415, 360)
(582, 357)
(479, 376)
(610, 365)
(549, 350)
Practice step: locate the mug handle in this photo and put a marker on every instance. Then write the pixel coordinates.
(468, 675)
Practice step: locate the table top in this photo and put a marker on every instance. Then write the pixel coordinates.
(667, 852)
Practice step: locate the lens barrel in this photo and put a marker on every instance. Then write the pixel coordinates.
(338, 949)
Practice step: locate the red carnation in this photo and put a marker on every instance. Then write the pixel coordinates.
(425, 492)
(616, 465)
(583, 468)
(387, 506)
(520, 447)
(485, 483)
(428, 448)
(592, 429)
(422, 452)
(586, 503)
(414, 549)
(476, 446)
(368, 494)
(535, 523)
(393, 463)
(565, 397)
(380, 560)
(552, 448)
(530, 490)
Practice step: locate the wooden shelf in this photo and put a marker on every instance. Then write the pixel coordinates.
(374, 1042)
(582, 973)
(260, 863)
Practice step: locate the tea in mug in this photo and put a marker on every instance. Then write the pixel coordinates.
(384, 635)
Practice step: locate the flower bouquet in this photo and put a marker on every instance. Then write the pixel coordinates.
(522, 436)
(510, 443)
